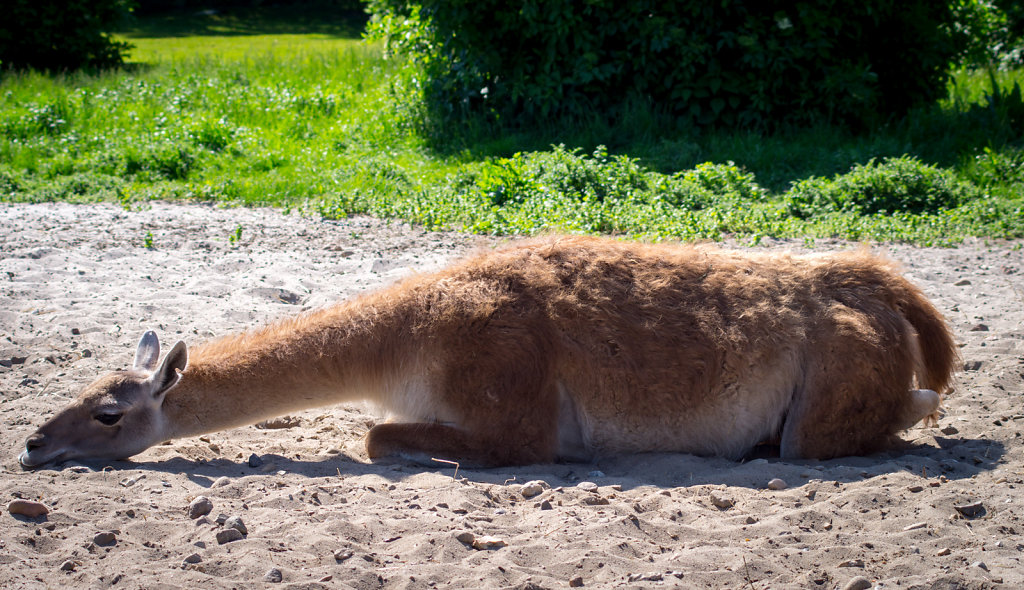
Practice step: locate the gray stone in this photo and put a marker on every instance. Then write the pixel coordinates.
(236, 523)
(200, 506)
(721, 501)
(273, 575)
(192, 559)
(228, 536)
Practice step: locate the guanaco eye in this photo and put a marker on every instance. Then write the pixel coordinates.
(108, 419)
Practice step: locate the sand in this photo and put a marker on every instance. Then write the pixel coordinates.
(79, 286)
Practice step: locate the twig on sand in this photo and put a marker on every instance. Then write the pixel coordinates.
(455, 475)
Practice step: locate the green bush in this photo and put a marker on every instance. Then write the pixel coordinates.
(895, 185)
(731, 63)
(566, 175)
(60, 35)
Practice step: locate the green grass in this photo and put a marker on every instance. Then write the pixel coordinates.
(273, 108)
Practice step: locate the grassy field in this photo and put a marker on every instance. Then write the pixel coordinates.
(293, 110)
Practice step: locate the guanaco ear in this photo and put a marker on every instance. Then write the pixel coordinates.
(148, 352)
(167, 375)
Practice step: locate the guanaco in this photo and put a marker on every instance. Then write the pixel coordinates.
(561, 348)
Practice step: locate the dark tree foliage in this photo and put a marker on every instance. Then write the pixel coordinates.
(754, 63)
(61, 35)
(157, 6)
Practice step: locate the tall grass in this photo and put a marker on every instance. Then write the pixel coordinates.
(212, 108)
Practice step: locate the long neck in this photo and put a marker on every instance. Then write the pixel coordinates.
(349, 352)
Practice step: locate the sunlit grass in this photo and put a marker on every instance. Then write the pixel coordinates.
(216, 108)
(236, 48)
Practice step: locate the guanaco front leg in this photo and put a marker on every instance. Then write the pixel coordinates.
(424, 441)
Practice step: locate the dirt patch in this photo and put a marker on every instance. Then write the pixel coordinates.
(79, 285)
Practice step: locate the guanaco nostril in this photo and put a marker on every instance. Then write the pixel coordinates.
(34, 442)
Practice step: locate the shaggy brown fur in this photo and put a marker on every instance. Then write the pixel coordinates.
(566, 347)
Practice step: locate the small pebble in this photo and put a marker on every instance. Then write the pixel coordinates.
(221, 482)
(200, 506)
(533, 488)
(595, 501)
(980, 565)
(852, 563)
(858, 583)
(973, 510)
(130, 481)
(105, 538)
(466, 537)
(221, 518)
(228, 536)
(255, 461)
(236, 523)
(488, 542)
(545, 505)
(191, 559)
(915, 526)
(915, 489)
(587, 486)
(27, 508)
(343, 554)
(652, 577)
(949, 430)
(944, 552)
(751, 520)
(721, 501)
(777, 484)
(273, 575)
(962, 283)
(576, 582)
(68, 566)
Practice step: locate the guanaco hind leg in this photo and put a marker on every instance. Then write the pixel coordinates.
(922, 405)
(855, 395)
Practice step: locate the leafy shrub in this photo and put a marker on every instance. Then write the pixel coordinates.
(745, 63)
(562, 174)
(52, 35)
(895, 185)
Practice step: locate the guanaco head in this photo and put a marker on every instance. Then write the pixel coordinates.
(114, 417)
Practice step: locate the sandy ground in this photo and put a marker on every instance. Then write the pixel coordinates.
(79, 287)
